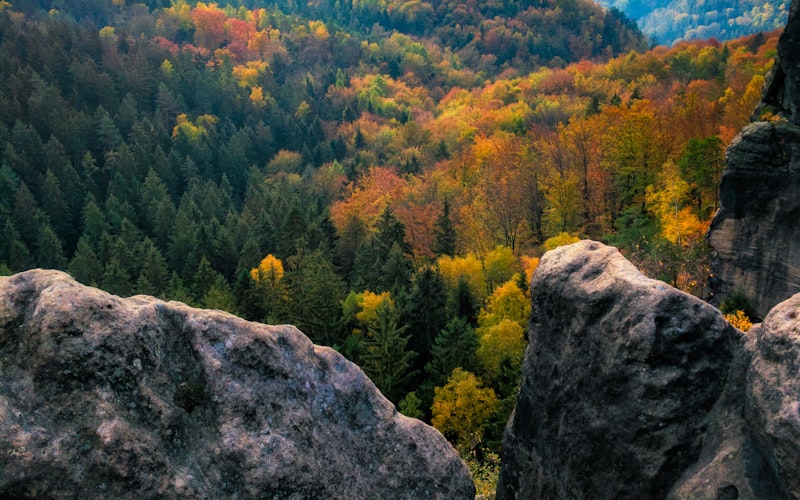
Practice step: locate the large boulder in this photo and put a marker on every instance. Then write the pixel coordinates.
(630, 389)
(103, 397)
(755, 232)
(773, 391)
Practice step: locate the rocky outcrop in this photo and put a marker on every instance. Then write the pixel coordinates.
(756, 230)
(103, 397)
(632, 389)
(773, 391)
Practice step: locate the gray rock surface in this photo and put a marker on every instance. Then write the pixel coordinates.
(102, 397)
(756, 230)
(773, 391)
(630, 389)
(783, 82)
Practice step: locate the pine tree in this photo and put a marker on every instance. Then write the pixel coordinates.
(465, 303)
(444, 233)
(315, 293)
(425, 312)
(395, 275)
(454, 347)
(116, 279)
(385, 359)
(49, 252)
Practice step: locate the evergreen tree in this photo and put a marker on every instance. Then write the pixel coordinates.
(49, 252)
(13, 251)
(388, 232)
(425, 312)
(444, 233)
(315, 293)
(153, 274)
(454, 347)
(249, 300)
(395, 275)
(26, 215)
(116, 279)
(465, 303)
(385, 358)
(351, 240)
(55, 206)
(85, 267)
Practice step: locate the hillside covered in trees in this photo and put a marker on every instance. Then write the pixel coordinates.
(384, 175)
(669, 21)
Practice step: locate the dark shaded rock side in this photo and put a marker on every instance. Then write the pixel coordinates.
(755, 232)
(773, 391)
(630, 389)
(102, 397)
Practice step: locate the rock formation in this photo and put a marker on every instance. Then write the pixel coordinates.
(756, 230)
(102, 397)
(632, 389)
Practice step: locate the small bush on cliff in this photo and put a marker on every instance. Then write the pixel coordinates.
(737, 301)
(739, 320)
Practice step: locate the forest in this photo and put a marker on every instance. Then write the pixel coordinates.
(669, 21)
(382, 174)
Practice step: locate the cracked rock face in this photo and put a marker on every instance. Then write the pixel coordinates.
(756, 230)
(633, 389)
(137, 398)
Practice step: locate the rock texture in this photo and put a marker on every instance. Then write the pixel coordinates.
(632, 389)
(773, 391)
(756, 230)
(102, 397)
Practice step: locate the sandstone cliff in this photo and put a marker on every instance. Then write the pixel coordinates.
(102, 397)
(632, 389)
(756, 230)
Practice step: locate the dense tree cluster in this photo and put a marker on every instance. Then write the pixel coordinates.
(669, 21)
(387, 190)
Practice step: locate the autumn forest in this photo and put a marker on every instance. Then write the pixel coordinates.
(384, 174)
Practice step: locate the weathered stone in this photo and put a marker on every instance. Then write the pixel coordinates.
(755, 231)
(773, 391)
(630, 389)
(783, 81)
(102, 397)
(619, 375)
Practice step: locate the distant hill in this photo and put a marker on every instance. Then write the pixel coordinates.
(670, 21)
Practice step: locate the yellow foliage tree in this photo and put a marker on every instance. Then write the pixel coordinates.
(503, 341)
(669, 201)
(559, 240)
(529, 265)
(469, 267)
(270, 268)
(462, 409)
(507, 302)
(193, 132)
(370, 302)
(499, 265)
